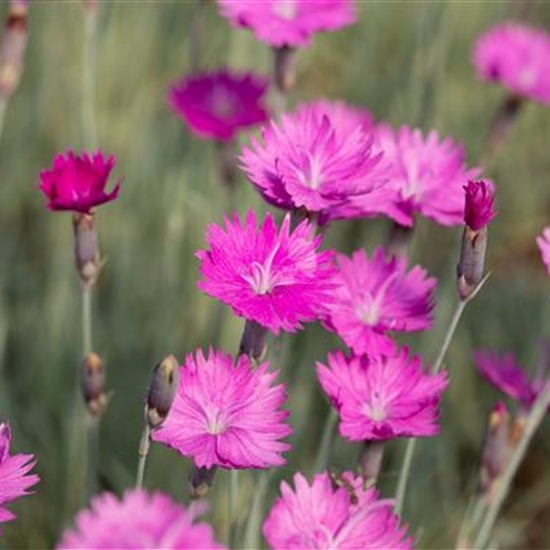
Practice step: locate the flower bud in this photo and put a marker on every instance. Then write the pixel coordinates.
(162, 390)
(253, 341)
(86, 248)
(201, 481)
(285, 68)
(93, 384)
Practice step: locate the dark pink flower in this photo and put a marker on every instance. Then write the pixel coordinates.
(139, 520)
(382, 397)
(479, 206)
(226, 414)
(310, 161)
(78, 182)
(325, 515)
(217, 105)
(276, 278)
(543, 242)
(15, 479)
(376, 295)
(516, 56)
(288, 22)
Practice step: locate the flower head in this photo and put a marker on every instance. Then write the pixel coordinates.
(276, 278)
(227, 415)
(15, 479)
(138, 520)
(78, 182)
(516, 56)
(347, 118)
(217, 105)
(288, 22)
(376, 295)
(479, 207)
(382, 397)
(543, 242)
(425, 174)
(322, 515)
(311, 161)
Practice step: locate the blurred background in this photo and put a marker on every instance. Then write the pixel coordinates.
(407, 62)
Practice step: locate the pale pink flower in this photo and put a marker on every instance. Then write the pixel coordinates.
(217, 105)
(15, 476)
(226, 414)
(324, 515)
(288, 22)
(382, 397)
(516, 56)
(138, 520)
(479, 206)
(276, 278)
(543, 242)
(375, 295)
(347, 118)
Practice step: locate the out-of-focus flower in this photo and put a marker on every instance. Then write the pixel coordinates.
(288, 22)
(15, 476)
(479, 206)
(426, 176)
(313, 162)
(322, 515)
(382, 397)
(275, 278)
(347, 118)
(543, 242)
(227, 414)
(376, 295)
(139, 520)
(516, 56)
(217, 105)
(78, 183)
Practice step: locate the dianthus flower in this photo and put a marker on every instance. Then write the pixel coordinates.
(543, 242)
(310, 161)
(347, 118)
(276, 278)
(288, 23)
(78, 183)
(139, 520)
(227, 414)
(217, 105)
(376, 295)
(479, 204)
(382, 397)
(518, 57)
(15, 479)
(328, 515)
(425, 174)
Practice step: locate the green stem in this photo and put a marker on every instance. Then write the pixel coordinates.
(233, 506)
(87, 320)
(3, 106)
(323, 453)
(89, 73)
(92, 432)
(144, 445)
(457, 314)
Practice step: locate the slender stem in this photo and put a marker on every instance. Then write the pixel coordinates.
(89, 73)
(92, 433)
(233, 505)
(457, 314)
(144, 445)
(323, 453)
(255, 515)
(3, 106)
(87, 320)
(535, 417)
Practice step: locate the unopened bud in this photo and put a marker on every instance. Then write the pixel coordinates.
(285, 68)
(162, 390)
(253, 341)
(93, 384)
(370, 462)
(86, 249)
(12, 51)
(201, 481)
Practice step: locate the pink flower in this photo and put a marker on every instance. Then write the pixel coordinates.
(288, 22)
(382, 397)
(217, 105)
(227, 415)
(78, 182)
(376, 295)
(543, 242)
(139, 520)
(343, 116)
(311, 161)
(15, 479)
(276, 278)
(479, 208)
(425, 174)
(325, 515)
(516, 56)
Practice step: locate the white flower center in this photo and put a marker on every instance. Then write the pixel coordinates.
(261, 278)
(286, 9)
(214, 424)
(369, 308)
(376, 409)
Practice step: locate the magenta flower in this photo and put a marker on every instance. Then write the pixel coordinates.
(217, 105)
(139, 520)
(543, 242)
(288, 22)
(426, 176)
(516, 56)
(227, 415)
(343, 116)
(479, 207)
(311, 161)
(15, 479)
(376, 295)
(78, 182)
(325, 515)
(382, 397)
(276, 278)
